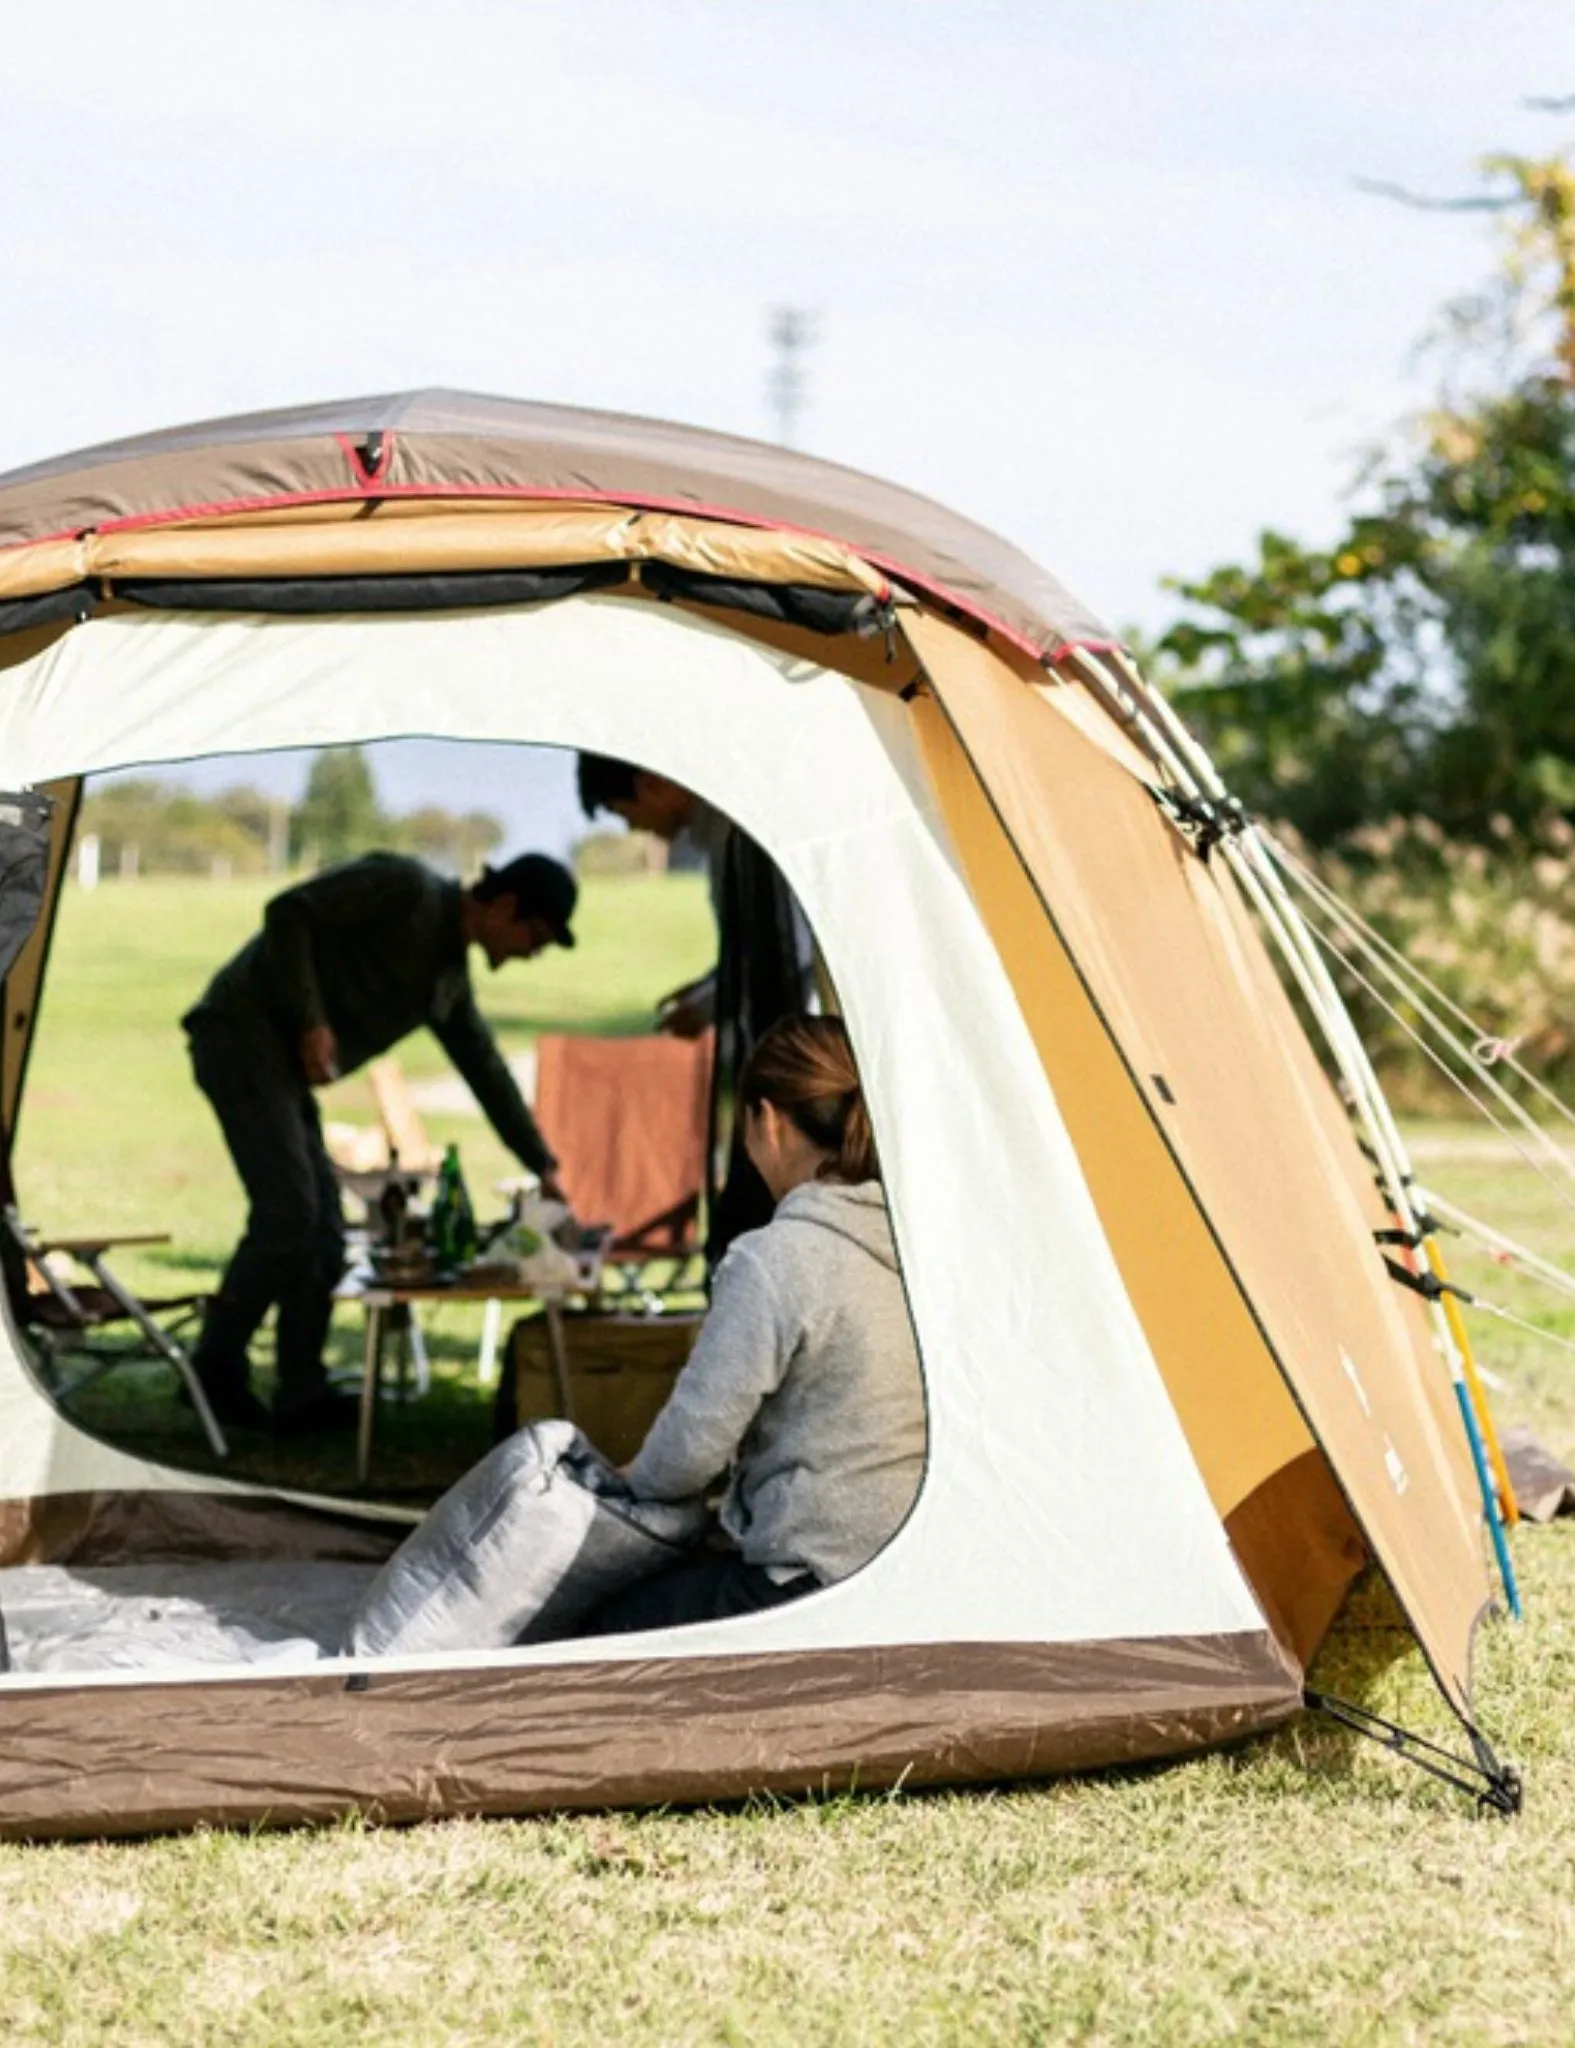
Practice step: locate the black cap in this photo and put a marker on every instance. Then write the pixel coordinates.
(540, 888)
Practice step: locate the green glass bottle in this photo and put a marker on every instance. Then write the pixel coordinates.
(454, 1238)
(467, 1239)
(440, 1218)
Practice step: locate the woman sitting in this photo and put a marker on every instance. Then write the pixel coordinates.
(803, 1387)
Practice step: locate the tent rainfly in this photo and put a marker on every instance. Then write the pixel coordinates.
(1175, 1396)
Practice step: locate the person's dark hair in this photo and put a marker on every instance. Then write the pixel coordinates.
(537, 886)
(804, 1065)
(604, 781)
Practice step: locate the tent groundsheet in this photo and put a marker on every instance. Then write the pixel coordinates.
(178, 1616)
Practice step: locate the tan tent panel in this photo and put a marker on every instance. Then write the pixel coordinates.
(1271, 1485)
(1323, 1102)
(1177, 974)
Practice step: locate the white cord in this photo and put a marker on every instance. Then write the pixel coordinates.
(1491, 1308)
(1448, 1073)
(1462, 1052)
(1314, 883)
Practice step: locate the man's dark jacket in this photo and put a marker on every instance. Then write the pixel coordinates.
(373, 949)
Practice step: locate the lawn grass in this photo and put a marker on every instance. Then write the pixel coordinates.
(1303, 1888)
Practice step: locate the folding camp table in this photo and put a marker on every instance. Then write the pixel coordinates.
(382, 1299)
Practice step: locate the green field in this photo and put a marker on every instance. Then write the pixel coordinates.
(1299, 1889)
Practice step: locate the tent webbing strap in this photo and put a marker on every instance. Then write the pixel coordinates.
(1201, 820)
(1432, 1288)
(1412, 1240)
(1427, 1284)
(1496, 1787)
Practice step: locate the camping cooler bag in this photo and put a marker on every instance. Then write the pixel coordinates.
(621, 1371)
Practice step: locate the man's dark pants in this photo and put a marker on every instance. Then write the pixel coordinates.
(292, 1254)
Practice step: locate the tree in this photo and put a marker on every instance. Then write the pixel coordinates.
(146, 826)
(149, 827)
(339, 815)
(1423, 663)
(457, 844)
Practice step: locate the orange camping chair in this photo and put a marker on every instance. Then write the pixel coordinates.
(627, 1118)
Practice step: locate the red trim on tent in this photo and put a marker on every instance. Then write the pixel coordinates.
(1088, 646)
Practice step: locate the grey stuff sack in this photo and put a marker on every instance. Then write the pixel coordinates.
(523, 1547)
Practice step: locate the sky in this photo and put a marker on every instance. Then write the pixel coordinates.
(1095, 272)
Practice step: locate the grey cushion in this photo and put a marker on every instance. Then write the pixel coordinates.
(527, 1543)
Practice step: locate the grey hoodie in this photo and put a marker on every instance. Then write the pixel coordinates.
(804, 1385)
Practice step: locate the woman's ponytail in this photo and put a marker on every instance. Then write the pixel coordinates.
(804, 1066)
(856, 1158)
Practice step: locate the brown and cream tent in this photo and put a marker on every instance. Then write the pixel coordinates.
(1175, 1396)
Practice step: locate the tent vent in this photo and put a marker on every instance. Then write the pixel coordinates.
(323, 596)
(77, 602)
(790, 604)
(319, 596)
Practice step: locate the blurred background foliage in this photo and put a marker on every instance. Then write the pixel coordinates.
(1403, 701)
(1423, 664)
(145, 826)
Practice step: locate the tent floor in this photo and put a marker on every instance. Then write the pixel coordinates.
(148, 1617)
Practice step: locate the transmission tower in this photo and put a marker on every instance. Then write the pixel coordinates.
(792, 333)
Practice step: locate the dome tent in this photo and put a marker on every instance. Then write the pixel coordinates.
(1174, 1397)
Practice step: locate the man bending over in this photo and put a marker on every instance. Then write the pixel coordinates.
(345, 966)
